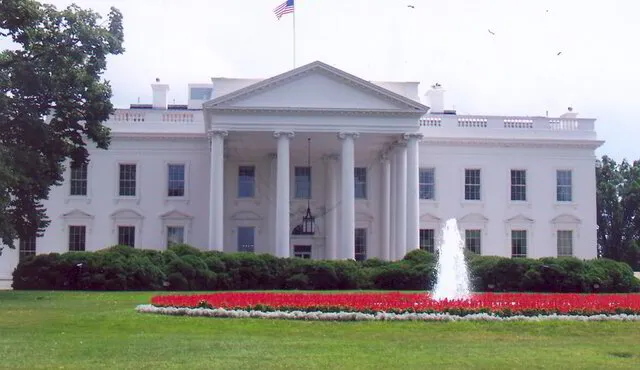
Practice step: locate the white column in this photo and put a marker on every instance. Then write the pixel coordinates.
(394, 201)
(331, 207)
(401, 201)
(282, 196)
(347, 242)
(216, 190)
(413, 190)
(273, 185)
(385, 208)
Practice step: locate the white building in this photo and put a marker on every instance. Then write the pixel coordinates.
(228, 171)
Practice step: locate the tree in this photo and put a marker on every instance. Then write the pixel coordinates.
(52, 102)
(618, 210)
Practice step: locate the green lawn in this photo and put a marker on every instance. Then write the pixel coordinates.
(102, 330)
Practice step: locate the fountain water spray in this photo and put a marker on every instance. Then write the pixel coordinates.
(452, 279)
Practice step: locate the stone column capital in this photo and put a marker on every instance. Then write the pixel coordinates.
(344, 135)
(413, 136)
(217, 132)
(285, 134)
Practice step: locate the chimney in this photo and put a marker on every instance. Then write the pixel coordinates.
(159, 94)
(435, 97)
(570, 113)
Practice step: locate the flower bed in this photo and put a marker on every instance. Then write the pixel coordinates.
(387, 306)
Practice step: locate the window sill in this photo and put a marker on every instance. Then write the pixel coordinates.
(429, 202)
(571, 204)
(119, 199)
(177, 199)
(519, 203)
(472, 203)
(77, 198)
(254, 200)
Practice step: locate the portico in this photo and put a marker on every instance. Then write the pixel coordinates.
(353, 124)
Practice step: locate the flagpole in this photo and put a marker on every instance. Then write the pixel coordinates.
(294, 37)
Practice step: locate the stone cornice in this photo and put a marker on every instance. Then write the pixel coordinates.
(320, 111)
(513, 143)
(149, 136)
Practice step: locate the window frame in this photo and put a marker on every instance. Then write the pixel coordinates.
(364, 237)
(23, 252)
(71, 240)
(524, 188)
(128, 227)
(239, 169)
(424, 232)
(426, 184)
(571, 240)
(85, 181)
(364, 184)
(296, 183)
(135, 197)
(558, 186)
(476, 237)
(526, 242)
(253, 245)
(464, 184)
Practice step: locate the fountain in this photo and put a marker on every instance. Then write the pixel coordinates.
(452, 279)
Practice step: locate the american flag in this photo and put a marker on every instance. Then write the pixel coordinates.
(284, 8)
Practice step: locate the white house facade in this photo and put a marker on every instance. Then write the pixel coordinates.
(237, 167)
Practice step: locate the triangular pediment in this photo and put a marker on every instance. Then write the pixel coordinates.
(77, 214)
(363, 217)
(175, 215)
(566, 218)
(428, 217)
(474, 218)
(126, 214)
(316, 86)
(519, 219)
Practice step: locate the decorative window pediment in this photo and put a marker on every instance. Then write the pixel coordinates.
(519, 219)
(474, 218)
(126, 214)
(175, 215)
(428, 217)
(77, 214)
(566, 218)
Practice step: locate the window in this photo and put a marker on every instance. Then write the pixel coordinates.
(518, 185)
(360, 174)
(472, 184)
(428, 240)
(246, 239)
(175, 235)
(176, 174)
(360, 244)
(201, 93)
(127, 183)
(563, 186)
(27, 247)
(77, 238)
(302, 251)
(78, 180)
(427, 183)
(518, 243)
(473, 241)
(246, 181)
(303, 182)
(127, 236)
(565, 243)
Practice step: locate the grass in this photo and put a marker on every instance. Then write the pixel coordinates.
(79, 330)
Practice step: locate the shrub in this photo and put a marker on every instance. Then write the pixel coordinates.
(182, 267)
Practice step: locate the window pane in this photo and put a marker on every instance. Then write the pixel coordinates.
(175, 235)
(27, 247)
(201, 93)
(472, 240)
(246, 181)
(360, 182)
(472, 184)
(302, 251)
(303, 182)
(127, 236)
(246, 239)
(127, 180)
(176, 180)
(427, 183)
(77, 238)
(564, 186)
(360, 244)
(428, 240)
(565, 243)
(518, 185)
(518, 243)
(78, 181)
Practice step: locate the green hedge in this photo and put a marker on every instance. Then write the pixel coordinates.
(183, 267)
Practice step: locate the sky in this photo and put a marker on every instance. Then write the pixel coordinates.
(494, 57)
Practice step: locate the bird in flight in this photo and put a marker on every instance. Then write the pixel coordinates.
(411, 6)
(491, 32)
(559, 53)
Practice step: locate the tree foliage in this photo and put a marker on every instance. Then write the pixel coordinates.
(618, 202)
(52, 102)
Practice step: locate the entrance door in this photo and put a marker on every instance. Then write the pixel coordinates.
(302, 251)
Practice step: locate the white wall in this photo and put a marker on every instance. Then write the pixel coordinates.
(152, 157)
